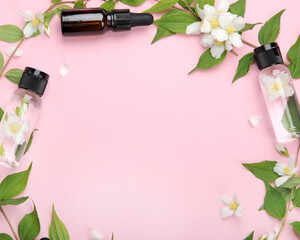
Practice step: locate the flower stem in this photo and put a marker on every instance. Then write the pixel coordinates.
(290, 200)
(10, 57)
(191, 11)
(254, 46)
(57, 4)
(9, 223)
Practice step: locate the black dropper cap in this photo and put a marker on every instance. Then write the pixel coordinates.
(267, 55)
(34, 80)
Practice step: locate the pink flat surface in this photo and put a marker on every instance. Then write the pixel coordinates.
(131, 144)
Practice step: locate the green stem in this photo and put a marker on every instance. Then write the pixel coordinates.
(11, 227)
(191, 11)
(254, 46)
(57, 4)
(10, 57)
(290, 200)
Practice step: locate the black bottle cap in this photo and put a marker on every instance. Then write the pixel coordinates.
(34, 80)
(141, 19)
(267, 55)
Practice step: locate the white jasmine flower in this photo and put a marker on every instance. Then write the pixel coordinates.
(194, 28)
(64, 69)
(277, 86)
(272, 236)
(217, 48)
(285, 171)
(10, 50)
(14, 127)
(95, 236)
(36, 22)
(255, 120)
(232, 206)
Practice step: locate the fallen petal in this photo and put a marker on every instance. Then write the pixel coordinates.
(64, 69)
(255, 120)
(10, 50)
(95, 236)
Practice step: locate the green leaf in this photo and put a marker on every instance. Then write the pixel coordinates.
(296, 199)
(161, 6)
(29, 141)
(294, 56)
(207, 61)
(161, 33)
(238, 8)
(60, 8)
(14, 184)
(4, 236)
(14, 75)
(79, 4)
(296, 226)
(274, 203)
(292, 182)
(10, 33)
(263, 170)
(291, 115)
(286, 193)
(57, 230)
(244, 65)
(15, 201)
(1, 60)
(132, 2)
(249, 26)
(108, 6)
(250, 237)
(29, 227)
(203, 2)
(1, 113)
(176, 21)
(56, 1)
(282, 150)
(270, 30)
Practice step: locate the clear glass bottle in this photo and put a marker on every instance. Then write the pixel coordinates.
(20, 116)
(279, 92)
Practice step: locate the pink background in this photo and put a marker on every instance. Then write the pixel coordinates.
(129, 143)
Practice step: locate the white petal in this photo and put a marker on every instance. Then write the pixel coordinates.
(273, 95)
(255, 120)
(220, 34)
(193, 28)
(225, 20)
(276, 229)
(40, 16)
(292, 161)
(268, 81)
(48, 31)
(239, 211)
(225, 199)
(238, 23)
(279, 167)
(200, 12)
(217, 50)
(42, 29)
(210, 12)
(228, 45)
(276, 71)
(207, 40)
(236, 40)
(223, 6)
(29, 29)
(27, 15)
(288, 91)
(226, 212)
(95, 236)
(281, 180)
(206, 26)
(284, 76)
(64, 69)
(271, 236)
(235, 198)
(10, 50)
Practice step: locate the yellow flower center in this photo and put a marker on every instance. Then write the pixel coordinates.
(277, 87)
(230, 30)
(233, 205)
(35, 22)
(14, 128)
(287, 171)
(214, 23)
(219, 43)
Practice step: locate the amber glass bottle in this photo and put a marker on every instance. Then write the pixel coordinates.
(90, 21)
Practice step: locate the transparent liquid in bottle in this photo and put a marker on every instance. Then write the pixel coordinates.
(17, 123)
